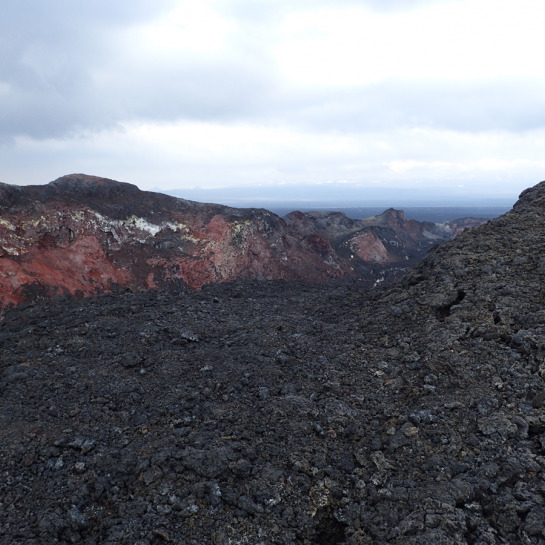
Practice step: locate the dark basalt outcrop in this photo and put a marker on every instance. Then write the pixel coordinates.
(82, 235)
(283, 413)
(378, 247)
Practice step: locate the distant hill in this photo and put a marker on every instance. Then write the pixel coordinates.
(433, 214)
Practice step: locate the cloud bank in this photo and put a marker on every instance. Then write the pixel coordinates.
(174, 94)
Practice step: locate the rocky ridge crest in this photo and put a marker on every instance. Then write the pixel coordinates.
(82, 235)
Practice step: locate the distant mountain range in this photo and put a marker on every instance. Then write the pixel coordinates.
(335, 196)
(433, 214)
(82, 235)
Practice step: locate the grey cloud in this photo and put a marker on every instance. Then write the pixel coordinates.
(22, 19)
(471, 106)
(47, 53)
(65, 28)
(400, 5)
(269, 11)
(51, 51)
(197, 91)
(48, 68)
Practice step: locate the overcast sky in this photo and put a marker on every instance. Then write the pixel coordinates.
(177, 94)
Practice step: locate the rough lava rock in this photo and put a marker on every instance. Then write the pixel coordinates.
(82, 235)
(380, 246)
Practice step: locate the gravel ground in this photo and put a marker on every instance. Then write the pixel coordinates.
(275, 413)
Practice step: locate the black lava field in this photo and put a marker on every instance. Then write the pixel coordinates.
(280, 413)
